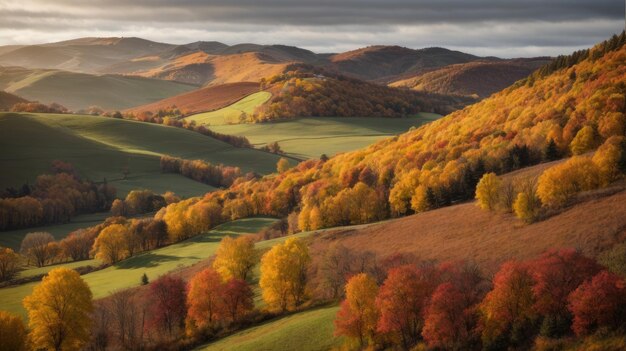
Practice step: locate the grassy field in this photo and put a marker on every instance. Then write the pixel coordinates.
(311, 137)
(305, 331)
(155, 263)
(231, 113)
(101, 147)
(78, 90)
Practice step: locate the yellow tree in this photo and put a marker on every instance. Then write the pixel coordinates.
(487, 191)
(283, 274)
(282, 165)
(358, 314)
(558, 184)
(611, 159)
(12, 332)
(111, 245)
(59, 311)
(235, 258)
(585, 140)
(9, 263)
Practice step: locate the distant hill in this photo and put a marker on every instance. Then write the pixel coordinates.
(88, 55)
(7, 100)
(481, 78)
(204, 99)
(384, 63)
(79, 90)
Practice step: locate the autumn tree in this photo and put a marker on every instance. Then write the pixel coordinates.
(598, 303)
(9, 263)
(13, 335)
(445, 325)
(487, 191)
(527, 205)
(610, 158)
(235, 257)
(111, 244)
(282, 165)
(556, 274)
(559, 184)
(127, 314)
(401, 302)
(35, 246)
(507, 311)
(205, 298)
(358, 315)
(284, 274)
(585, 140)
(335, 268)
(59, 311)
(77, 244)
(238, 298)
(167, 301)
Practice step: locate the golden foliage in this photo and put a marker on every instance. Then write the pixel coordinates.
(487, 191)
(283, 274)
(235, 258)
(111, 244)
(559, 184)
(12, 333)
(59, 311)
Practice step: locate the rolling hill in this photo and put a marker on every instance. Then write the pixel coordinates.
(204, 99)
(79, 90)
(101, 147)
(7, 100)
(481, 78)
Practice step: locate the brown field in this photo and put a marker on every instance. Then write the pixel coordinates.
(204, 99)
(466, 232)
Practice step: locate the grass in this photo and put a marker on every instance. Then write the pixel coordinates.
(127, 273)
(78, 90)
(101, 147)
(305, 331)
(311, 137)
(231, 113)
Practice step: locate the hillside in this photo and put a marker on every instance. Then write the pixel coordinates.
(88, 55)
(78, 90)
(383, 63)
(481, 78)
(101, 147)
(204, 99)
(7, 100)
(446, 158)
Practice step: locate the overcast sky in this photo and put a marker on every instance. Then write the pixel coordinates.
(503, 28)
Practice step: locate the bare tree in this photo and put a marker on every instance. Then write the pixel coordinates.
(35, 246)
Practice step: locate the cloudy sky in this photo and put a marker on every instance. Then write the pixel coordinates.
(505, 28)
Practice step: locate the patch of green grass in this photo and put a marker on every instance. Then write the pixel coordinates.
(311, 137)
(304, 331)
(35, 271)
(127, 273)
(101, 147)
(231, 113)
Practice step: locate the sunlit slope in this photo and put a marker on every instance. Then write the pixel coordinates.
(79, 90)
(232, 113)
(311, 137)
(101, 147)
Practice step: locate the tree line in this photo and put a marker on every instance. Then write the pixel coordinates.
(201, 171)
(54, 198)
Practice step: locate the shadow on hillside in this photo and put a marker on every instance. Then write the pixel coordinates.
(148, 260)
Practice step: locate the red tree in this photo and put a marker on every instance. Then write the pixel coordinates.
(205, 298)
(445, 318)
(599, 302)
(167, 301)
(238, 298)
(401, 302)
(556, 275)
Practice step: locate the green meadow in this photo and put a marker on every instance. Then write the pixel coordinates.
(101, 147)
(231, 113)
(310, 137)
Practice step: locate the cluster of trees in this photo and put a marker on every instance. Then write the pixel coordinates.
(557, 186)
(37, 107)
(54, 198)
(453, 307)
(303, 93)
(201, 171)
(173, 118)
(142, 201)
